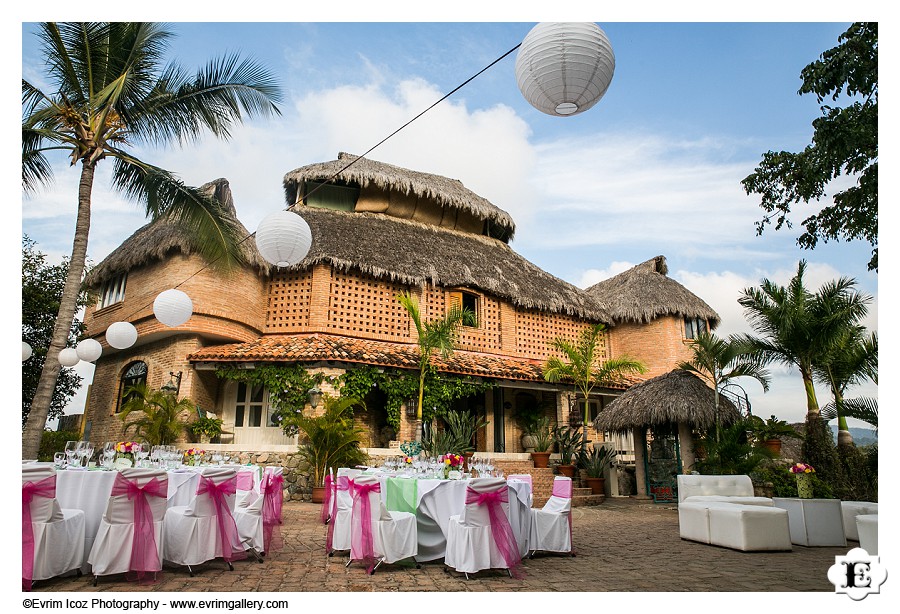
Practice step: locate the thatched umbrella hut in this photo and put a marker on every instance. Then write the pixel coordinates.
(676, 398)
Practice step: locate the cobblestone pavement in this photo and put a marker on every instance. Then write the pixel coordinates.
(622, 545)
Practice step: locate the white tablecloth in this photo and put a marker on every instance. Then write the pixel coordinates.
(438, 500)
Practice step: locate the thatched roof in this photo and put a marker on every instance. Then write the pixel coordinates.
(676, 397)
(157, 239)
(414, 253)
(364, 172)
(645, 292)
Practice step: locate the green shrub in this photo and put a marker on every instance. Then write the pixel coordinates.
(55, 441)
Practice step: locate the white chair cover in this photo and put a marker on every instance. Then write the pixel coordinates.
(340, 524)
(192, 533)
(394, 533)
(551, 525)
(471, 545)
(58, 534)
(112, 549)
(249, 518)
(524, 477)
(247, 486)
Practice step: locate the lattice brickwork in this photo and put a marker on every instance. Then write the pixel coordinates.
(535, 331)
(360, 305)
(485, 338)
(287, 310)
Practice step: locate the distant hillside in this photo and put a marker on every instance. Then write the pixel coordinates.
(861, 436)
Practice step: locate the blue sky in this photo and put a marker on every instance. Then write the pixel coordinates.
(654, 168)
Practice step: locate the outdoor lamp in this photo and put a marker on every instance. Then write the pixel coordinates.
(564, 69)
(121, 335)
(174, 383)
(26, 351)
(89, 350)
(283, 238)
(315, 396)
(411, 407)
(68, 357)
(173, 307)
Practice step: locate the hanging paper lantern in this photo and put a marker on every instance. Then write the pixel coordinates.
(89, 350)
(68, 357)
(26, 351)
(283, 238)
(564, 69)
(121, 335)
(173, 307)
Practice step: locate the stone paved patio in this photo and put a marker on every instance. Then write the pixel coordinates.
(622, 545)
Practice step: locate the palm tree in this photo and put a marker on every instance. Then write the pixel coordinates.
(110, 93)
(160, 422)
(582, 365)
(437, 335)
(852, 360)
(719, 361)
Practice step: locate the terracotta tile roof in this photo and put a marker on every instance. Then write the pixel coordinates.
(321, 347)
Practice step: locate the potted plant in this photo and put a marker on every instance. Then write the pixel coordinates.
(528, 417)
(331, 440)
(594, 463)
(543, 439)
(770, 432)
(205, 428)
(569, 444)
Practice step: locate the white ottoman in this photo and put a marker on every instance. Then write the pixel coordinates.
(850, 510)
(749, 527)
(867, 526)
(693, 521)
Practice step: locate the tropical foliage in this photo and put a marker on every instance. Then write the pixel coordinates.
(458, 435)
(595, 460)
(161, 419)
(108, 93)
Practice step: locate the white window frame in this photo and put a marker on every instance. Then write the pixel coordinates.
(113, 291)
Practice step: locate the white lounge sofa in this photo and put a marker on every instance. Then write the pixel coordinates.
(721, 510)
(867, 527)
(850, 510)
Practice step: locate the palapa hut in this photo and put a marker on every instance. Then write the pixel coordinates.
(378, 230)
(669, 406)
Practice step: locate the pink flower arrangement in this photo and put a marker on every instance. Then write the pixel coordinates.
(125, 447)
(194, 452)
(452, 460)
(408, 460)
(801, 468)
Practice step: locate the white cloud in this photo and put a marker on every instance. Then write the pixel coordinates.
(593, 276)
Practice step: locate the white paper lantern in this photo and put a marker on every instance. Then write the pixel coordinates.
(121, 335)
(173, 307)
(89, 350)
(26, 351)
(564, 68)
(68, 357)
(283, 238)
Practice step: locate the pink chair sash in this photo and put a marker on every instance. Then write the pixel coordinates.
(362, 539)
(244, 480)
(563, 490)
(501, 531)
(42, 488)
(144, 551)
(341, 483)
(228, 533)
(273, 498)
(326, 513)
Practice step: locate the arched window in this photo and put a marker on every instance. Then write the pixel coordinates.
(135, 373)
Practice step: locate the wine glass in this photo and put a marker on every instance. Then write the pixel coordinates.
(88, 450)
(69, 451)
(141, 451)
(81, 452)
(59, 460)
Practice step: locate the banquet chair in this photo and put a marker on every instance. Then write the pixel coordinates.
(377, 535)
(205, 529)
(551, 526)
(481, 537)
(338, 537)
(524, 477)
(258, 523)
(52, 538)
(129, 539)
(247, 489)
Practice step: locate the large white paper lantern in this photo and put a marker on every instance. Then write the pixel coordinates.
(283, 238)
(89, 350)
(26, 351)
(68, 357)
(564, 69)
(121, 335)
(173, 307)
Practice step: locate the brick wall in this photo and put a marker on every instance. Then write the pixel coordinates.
(660, 344)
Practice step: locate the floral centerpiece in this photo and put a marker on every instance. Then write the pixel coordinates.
(452, 462)
(125, 452)
(193, 456)
(408, 461)
(803, 472)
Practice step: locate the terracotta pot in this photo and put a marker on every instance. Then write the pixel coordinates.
(567, 470)
(597, 485)
(540, 459)
(773, 445)
(318, 494)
